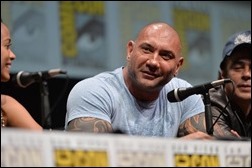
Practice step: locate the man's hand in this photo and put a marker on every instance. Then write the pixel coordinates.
(235, 133)
(198, 135)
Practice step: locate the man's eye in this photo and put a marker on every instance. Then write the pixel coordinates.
(167, 56)
(237, 66)
(146, 49)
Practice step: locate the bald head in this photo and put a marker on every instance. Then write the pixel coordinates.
(161, 31)
(158, 26)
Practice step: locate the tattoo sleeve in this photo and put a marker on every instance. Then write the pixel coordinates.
(197, 123)
(221, 128)
(88, 124)
(192, 124)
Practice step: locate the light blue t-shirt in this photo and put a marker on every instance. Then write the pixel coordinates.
(105, 96)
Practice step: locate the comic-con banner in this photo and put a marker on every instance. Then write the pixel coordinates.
(61, 149)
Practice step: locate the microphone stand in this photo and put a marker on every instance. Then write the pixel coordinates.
(208, 113)
(45, 106)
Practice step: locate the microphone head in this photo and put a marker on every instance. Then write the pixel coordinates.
(172, 96)
(23, 79)
(227, 80)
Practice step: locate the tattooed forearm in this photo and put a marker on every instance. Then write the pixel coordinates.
(193, 124)
(197, 123)
(222, 130)
(88, 124)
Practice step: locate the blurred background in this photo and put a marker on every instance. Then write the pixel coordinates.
(85, 38)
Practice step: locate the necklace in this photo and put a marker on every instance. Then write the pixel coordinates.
(2, 119)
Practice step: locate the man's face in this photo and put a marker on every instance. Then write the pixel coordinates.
(6, 54)
(154, 59)
(238, 69)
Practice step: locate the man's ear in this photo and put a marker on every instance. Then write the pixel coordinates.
(179, 64)
(130, 46)
(221, 74)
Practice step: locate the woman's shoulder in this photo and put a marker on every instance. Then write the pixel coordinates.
(6, 99)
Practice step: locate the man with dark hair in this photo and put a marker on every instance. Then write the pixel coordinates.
(231, 103)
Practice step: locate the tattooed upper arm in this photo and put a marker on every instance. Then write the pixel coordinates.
(89, 124)
(192, 124)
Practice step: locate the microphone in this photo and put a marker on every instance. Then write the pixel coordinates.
(24, 79)
(180, 94)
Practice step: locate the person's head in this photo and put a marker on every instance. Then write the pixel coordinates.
(154, 58)
(236, 64)
(7, 56)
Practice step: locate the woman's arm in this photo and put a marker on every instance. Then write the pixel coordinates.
(17, 115)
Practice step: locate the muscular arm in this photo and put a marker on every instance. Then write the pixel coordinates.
(197, 123)
(89, 124)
